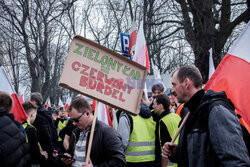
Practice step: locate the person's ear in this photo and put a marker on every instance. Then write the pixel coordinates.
(187, 83)
(161, 105)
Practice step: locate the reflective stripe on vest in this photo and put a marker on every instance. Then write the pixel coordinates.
(141, 146)
(60, 126)
(171, 121)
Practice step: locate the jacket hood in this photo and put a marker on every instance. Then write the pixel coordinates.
(44, 112)
(145, 111)
(211, 96)
(2, 111)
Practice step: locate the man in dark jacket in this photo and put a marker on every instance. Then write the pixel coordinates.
(212, 135)
(106, 147)
(46, 131)
(14, 151)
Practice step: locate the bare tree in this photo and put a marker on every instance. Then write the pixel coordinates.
(209, 24)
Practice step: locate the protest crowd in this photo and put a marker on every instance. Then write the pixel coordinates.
(187, 125)
(59, 137)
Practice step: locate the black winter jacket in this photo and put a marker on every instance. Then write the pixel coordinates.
(14, 151)
(46, 131)
(212, 135)
(107, 149)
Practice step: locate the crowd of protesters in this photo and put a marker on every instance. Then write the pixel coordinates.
(211, 137)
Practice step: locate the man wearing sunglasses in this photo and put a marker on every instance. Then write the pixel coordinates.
(106, 148)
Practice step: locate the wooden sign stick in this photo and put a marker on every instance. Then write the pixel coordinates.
(92, 133)
(164, 160)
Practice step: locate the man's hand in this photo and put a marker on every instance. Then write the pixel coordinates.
(45, 154)
(88, 164)
(169, 150)
(68, 160)
(55, 153)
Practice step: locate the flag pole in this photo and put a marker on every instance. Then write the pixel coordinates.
(92, 133)
(164, 160)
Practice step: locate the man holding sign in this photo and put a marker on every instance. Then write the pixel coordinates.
(107, 147)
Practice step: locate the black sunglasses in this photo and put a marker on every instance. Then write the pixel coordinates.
(77, 119)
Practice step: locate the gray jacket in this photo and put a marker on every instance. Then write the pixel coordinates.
(212, 136)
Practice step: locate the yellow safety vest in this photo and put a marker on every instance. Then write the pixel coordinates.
(171, 121)
(141, 146)
(60, 126)
(25, 126)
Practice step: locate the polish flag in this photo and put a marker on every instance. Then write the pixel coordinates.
(211, 63)
(5, 86)
(141, 51)
(66, 105)
(47, 103)
(60, 103)
(157, 74)
(80, 95)
(132, 40)
(233, 76)
(103, 114)
(21, 99)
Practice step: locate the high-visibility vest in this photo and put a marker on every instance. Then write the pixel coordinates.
(141, 146)
(179, 108)
(60, 126)
(25, 126)
(171, 121)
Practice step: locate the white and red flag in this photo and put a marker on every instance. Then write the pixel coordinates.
(106, 114)
(47, 103)
(5, 86)
(132, 40)
(80, 95)
(233, 76)
(156, 71)
(141, 50)
(103, 114)
(66, 105)
(211, 63)
(60, 103)
(21, 99)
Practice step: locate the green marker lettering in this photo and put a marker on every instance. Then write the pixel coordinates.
(77, 49)
(91, 51)
(96, 57)
(104, 60)
(126, 68)
(138, 75)
(132, 74)
(85, 51)
(112, 64)
(119, 66)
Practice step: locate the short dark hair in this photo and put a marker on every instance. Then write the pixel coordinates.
(192, 73)
(6, 101)
(164, 100)
(28, 106)
(37, 97)
(158, 86)
(80, 104)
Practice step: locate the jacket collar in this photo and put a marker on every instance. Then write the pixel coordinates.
(2, 111)
(195, 100)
